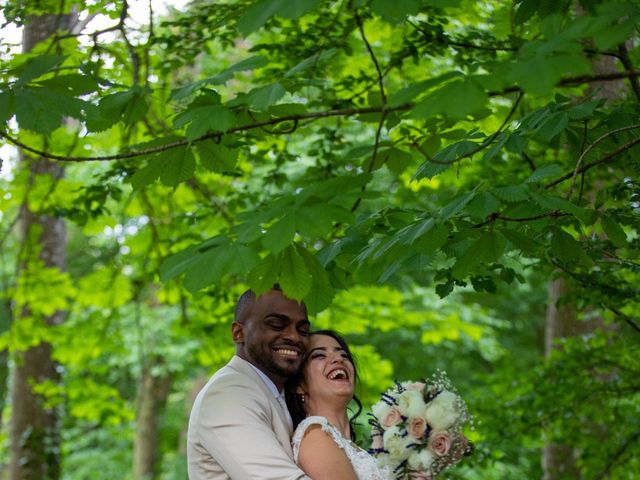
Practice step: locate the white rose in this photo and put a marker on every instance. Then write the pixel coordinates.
(411, 403)
(397, 444)
(442, 412)
(421, 460)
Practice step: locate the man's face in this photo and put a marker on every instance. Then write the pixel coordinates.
(273, 335)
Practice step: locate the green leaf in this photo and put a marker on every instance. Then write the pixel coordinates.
(487, 249)
(217, 158)
(396, 10)
(280, 234)
(313, 61)
(455, 100)
(553, 126)
(433, 239)
(412, 91)
(409, 234)
(128, 107)
(74, 84)
(522, 242)
(553, 202)
(41, 110)
(181, 261)
(211, 266)
(318, 219)
(456, 205)
(395, 160)
(244, 258)
(526, 10)
(565, 248)
(265, 273)
(430, 170)
(250, 63)
(208, 119)
(36, 67)
(614, 231)
(178, 165)
(546, 171)
(7, 105)
(264, 97)
(295, 278)
(483, 205)
(258, 13)
(511, 193)
(147, 174)
(321, 292)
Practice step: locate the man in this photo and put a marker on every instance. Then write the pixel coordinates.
(239, 427)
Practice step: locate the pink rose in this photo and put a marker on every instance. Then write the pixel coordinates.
(440, 442)
(416, 386)
(377, 442)
(420, 476)
(417, 426)
(391, 418)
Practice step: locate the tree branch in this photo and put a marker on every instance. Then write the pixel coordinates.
(348, 112)
(371, 54)
(591, 147)
(623, 55)
(586, 167)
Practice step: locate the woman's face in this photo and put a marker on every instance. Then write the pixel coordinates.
(328, 373)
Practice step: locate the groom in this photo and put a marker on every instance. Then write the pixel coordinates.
(239, 427)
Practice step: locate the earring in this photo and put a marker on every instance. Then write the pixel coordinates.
(302, 398)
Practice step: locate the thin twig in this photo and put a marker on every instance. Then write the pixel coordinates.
(497, 216)
(374, 156)
(487, 142)
(163, 148)
(371, 54)
(591, 147)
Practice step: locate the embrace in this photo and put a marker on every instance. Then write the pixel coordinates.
(240, 427)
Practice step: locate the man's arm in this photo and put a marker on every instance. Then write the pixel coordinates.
(235, 428)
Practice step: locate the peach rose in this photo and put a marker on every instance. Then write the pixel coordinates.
(440, 443)
(415, 386)
(417, 427)
(377, 443)
(391, 418)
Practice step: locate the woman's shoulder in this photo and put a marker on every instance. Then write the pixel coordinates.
(307, 426)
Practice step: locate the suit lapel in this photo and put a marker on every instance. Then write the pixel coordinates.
(245, 368)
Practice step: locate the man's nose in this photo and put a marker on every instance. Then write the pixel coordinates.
(292, 334)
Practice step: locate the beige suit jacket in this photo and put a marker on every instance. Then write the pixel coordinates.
(238, 431)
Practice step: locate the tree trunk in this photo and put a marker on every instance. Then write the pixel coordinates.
(559, 461)
(34, 435)
(152, 396)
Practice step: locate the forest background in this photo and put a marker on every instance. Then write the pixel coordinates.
(452, 184)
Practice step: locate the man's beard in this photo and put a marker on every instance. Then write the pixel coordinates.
(268, 363)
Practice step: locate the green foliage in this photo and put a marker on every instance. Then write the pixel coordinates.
(415, 171)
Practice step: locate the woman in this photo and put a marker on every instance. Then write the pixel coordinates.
(323, 440)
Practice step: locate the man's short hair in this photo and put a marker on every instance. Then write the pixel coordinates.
(246, 299)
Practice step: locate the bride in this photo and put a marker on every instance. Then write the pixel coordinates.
(323, 441)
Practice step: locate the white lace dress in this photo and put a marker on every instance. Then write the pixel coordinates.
(364, 464)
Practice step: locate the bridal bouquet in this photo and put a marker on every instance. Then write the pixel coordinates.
(417, 428)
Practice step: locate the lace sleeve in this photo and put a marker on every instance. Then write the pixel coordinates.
(326, 426)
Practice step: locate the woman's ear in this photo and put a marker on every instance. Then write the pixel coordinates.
(300, 390)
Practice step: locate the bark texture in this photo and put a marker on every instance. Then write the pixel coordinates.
(34, 432)
(152, 397)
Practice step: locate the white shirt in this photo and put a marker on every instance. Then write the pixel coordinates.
(279, 396)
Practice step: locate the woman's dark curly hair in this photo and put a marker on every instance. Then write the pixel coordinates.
(294, 400)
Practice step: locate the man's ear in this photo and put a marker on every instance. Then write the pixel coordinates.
(237, 332)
